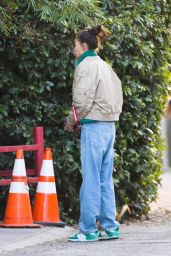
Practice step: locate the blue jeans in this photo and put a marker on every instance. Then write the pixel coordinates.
(97, 196)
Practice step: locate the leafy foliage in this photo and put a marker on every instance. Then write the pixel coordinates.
(62, 14)
(69, 13)
(36, 76)
(7, 9)
(139, 50)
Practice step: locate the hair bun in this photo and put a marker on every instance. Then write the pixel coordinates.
(100, 31)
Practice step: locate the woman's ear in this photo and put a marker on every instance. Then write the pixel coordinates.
(85, 46)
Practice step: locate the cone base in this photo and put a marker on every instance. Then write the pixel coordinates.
(46, 223)
(2, 225)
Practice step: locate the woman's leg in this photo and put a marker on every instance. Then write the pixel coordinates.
(91, 158)
(108, 206)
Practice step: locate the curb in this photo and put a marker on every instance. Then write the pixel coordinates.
(13, 239)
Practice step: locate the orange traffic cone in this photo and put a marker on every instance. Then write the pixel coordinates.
(18, 210)
(46, 211)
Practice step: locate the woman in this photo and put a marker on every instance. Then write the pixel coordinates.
(97, 98)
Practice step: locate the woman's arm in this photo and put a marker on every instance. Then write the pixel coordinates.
(84, 87)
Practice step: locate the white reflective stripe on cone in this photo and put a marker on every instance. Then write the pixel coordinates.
(18, 187)
(46, 187)
(47, 168)
(19, 168)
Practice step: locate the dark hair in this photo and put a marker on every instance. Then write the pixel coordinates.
(93, 36)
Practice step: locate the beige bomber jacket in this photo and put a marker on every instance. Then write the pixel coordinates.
(97, 91)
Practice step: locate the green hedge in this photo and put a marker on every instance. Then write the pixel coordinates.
(139, 51)
(36, 76)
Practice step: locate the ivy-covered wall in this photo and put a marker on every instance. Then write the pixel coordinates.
(37, 65)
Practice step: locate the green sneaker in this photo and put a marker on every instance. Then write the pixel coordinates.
(107, 235)
(80, 237)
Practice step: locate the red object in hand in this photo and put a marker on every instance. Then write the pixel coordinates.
(74, 112)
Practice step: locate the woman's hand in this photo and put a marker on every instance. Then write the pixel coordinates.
(68, 127)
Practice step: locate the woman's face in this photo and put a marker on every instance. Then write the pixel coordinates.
(79, 48)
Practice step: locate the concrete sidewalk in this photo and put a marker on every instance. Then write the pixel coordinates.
(137, 239)
(153, 235)
(18, 238)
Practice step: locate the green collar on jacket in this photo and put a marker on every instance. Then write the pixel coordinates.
(84, 55)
